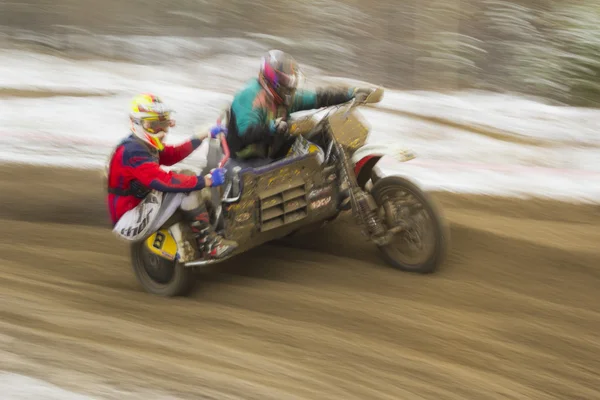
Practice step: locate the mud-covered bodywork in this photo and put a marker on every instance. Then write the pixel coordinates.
(280, 198)
(350, 130)
(325, 171)
(292, 193)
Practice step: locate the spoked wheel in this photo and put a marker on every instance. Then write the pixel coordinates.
(419, 244)
(158, 275)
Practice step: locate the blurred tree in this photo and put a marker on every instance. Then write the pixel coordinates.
(576, 35)
(448, 58)
(549, 48)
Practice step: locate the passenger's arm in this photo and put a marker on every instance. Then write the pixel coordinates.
(171, 155)
(151, 175)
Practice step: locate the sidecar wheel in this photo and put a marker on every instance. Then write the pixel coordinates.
(159, 276)
(421, 245)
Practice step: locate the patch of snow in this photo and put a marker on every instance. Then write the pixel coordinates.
(558, 158)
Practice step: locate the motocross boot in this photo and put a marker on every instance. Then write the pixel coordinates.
(210, 244)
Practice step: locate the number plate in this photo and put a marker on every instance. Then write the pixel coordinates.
(162, 244)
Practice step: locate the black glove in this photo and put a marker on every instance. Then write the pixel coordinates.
(361, 94)
(280, 127)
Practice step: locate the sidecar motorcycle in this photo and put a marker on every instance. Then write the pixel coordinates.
(328, 170)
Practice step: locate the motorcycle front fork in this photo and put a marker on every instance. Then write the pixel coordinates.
(364, 208)
(365, 211)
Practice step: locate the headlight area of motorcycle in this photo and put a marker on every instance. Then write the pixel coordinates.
(404, 155)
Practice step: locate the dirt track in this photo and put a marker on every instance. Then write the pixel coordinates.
(513, 315)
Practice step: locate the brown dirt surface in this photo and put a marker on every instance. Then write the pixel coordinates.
(513, 314)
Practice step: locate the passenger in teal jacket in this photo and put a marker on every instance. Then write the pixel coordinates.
(259, 110)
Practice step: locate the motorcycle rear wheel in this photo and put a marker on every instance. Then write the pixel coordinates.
(159, 276)
(399, 190)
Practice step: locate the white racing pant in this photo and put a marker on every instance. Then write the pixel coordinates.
(156, 208)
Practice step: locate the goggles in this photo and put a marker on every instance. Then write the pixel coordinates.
(157, 124)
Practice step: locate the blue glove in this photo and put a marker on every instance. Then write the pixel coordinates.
(215, 130)
(218, 176)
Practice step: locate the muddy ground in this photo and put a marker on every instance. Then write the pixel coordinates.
(512, 315)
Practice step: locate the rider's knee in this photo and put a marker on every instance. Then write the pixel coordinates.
(196, 199)
(186, 171)
(205, 194)
(191, 201)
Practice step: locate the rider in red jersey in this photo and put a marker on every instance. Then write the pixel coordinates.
(142, 195)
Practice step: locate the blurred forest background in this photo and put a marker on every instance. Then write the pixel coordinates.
(544, 48)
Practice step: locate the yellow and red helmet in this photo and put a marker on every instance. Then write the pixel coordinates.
(150, 119)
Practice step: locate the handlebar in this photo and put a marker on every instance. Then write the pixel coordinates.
(225, 148)
(377, 92)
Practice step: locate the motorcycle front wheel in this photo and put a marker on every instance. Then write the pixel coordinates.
(420, 242)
